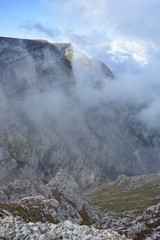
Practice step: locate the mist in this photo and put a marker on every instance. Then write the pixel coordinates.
(69, 97)
(97, 112)
(124, 36)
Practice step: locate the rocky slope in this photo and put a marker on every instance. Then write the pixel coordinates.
(16, 228)
(32, 210)
(125, 206)
(127, 194)
(134, 226)
(49, 121)
(57, 201)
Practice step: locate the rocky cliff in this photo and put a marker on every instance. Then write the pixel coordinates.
(48, 120)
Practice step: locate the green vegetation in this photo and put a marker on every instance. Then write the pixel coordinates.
(86, 219)
(124, 195)
(33, 210)
(56, 194)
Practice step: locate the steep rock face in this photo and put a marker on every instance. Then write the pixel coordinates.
(48, 120)
(57, 201)
(25, 63)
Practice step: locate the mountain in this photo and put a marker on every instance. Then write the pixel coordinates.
(49, 120)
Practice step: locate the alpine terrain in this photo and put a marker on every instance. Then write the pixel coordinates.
(68, 156)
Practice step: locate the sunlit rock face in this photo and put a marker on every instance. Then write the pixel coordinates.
(51, 118)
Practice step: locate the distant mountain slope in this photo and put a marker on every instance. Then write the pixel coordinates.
(49, 120)
(130, 206)
(127, 194)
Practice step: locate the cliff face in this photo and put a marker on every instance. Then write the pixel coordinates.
(45, 126)
(28, 70)
(30, 63)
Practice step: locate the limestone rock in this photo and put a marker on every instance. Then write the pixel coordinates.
(57, 201)
(66, 185)
(145, 226)
(15, 228)
(24, 188)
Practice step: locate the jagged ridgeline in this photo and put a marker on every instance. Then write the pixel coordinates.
(53, 116)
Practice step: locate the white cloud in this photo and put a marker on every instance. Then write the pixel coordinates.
(133, 18)
(130, 27)
(123, 48)
(124, 34)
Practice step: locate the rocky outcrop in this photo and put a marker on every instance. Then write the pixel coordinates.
(16, 228)
(145, 226)
(57, 201)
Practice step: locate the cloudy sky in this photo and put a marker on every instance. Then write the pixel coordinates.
(125, 29)
(122, 33)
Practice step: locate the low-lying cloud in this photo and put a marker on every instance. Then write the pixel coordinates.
(122, 34)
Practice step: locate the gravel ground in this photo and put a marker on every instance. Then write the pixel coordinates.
(14, 228)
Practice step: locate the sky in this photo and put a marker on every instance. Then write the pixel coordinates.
(124, 29)
(124, 34)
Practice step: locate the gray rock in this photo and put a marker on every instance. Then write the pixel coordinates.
(136, 229)
(14, 229)
(145, 226)
(51, 235)
(24, 188)
(57, 201)
(65, 184)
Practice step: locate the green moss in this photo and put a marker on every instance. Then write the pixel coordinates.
(31, 211)
(86, 219)
(50, 219)
(15, 209)
(56, 194)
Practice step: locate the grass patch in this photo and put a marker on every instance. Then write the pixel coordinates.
(124, 196)
(34, 210)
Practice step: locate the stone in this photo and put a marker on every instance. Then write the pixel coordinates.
(59, 200)
(51, 235)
